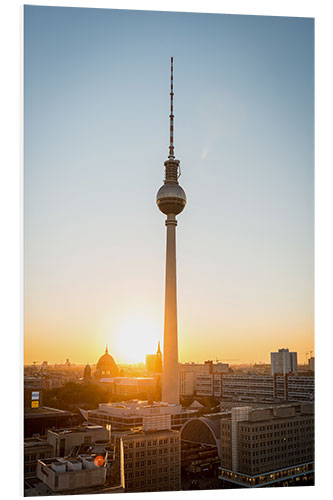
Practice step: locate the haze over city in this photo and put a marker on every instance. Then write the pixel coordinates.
(96, 136)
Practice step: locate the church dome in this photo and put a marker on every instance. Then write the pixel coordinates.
(106, 366)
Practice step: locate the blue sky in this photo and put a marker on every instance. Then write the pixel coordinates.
(96, 135)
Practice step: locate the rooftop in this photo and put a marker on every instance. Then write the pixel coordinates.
(44, 411)
(141, 408)
(73, 430)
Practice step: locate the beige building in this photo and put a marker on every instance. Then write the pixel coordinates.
(71, 474)
(151, 460)
(260, 447)
(65, 440)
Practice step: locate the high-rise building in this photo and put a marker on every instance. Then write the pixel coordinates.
(283, 362)
(171, 200)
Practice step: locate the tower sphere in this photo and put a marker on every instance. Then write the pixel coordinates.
(171, 198)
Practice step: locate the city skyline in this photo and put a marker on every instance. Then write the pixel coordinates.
(96, 135)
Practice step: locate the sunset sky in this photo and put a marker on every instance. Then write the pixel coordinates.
(96, 106)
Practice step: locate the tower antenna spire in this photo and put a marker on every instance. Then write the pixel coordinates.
(171, 146)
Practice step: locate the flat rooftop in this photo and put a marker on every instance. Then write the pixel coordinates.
(79, 429)
(45, 411)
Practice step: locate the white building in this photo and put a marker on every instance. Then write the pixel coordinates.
(130, 414)
(283, 362)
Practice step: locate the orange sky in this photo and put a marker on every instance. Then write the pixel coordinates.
(96, 136)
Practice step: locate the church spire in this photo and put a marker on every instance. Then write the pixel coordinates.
(159, 348)
(107, 349)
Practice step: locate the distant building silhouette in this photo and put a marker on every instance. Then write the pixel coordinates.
(87, 373)
(154, 361)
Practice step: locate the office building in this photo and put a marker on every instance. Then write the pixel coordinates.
(268, 446)
(151, 460)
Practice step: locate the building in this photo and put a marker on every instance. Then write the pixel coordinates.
(85, 460)
(106, 366)
(35, 449)
(87, 374)
(202, 379)
(283, 362)
(209, 385)
(37, 421)
(135, 387)
(80, 474)
(129, 414)
(267, 446)
(311, 364)
(151, 460)
(171, 200)
(154, 361)
(68, 440)
(299, 388)
(186, 383)
(255, 387)
(248, 387)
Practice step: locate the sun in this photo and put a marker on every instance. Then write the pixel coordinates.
(135, 337)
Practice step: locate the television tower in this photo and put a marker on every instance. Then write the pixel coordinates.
(171, 200)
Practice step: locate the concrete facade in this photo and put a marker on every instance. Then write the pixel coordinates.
(257, 445)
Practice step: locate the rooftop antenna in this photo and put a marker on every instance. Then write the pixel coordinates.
(171, 146)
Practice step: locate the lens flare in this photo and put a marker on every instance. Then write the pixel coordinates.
(99, 461)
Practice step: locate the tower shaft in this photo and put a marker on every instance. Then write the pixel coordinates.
(170, 385)
(171, 200)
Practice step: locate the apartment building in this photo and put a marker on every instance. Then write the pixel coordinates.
(283, 362)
